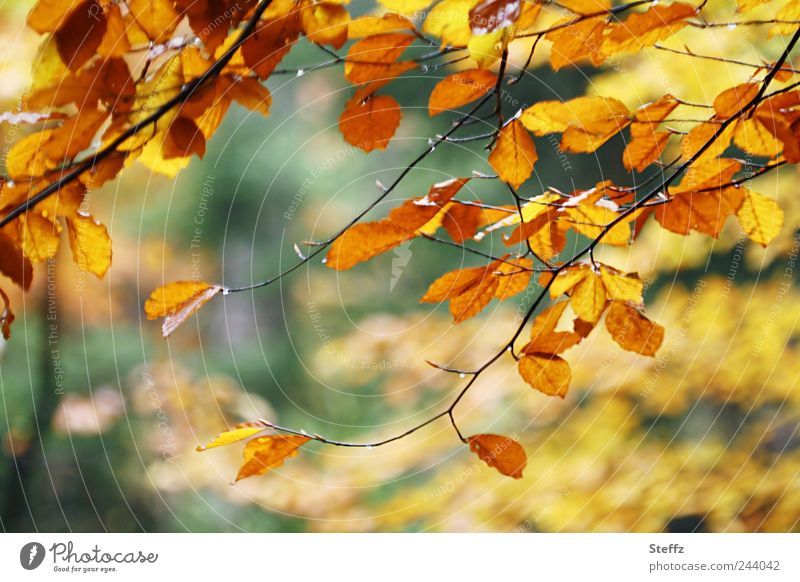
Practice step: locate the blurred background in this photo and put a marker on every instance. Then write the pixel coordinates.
(104, 415)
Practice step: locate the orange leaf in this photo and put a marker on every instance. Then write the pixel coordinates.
(459, 89)
(369, 123)
(733, 100)
(264, 453)
(514, 154)
(178, 301)
(183, 139)
(502, 453)
(374, 57)
(363, 241)
(547, 373)
(632, 330)
(644, 150)
(644, 29)
(544, 338)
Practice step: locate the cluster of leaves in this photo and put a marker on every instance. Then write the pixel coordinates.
(151, 80)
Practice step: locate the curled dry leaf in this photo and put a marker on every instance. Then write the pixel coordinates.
(178, 301)
(504, 454)
(7, 317)
(264, 453)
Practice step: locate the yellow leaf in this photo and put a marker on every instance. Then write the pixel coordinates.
(405, 6)
(39, 237)
(761, 217)
(234, 435)
(502, 453)
(264, 453)
(90, 243)
(369, 25)
(449, 21)
(487, 48)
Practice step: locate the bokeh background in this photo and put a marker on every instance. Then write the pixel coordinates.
(103, 415)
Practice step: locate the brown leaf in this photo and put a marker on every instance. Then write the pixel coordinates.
(13, 264)
(80, 35)
(490, 15)
(7, 317)
(183, 139)
(504, 454)
(264, 453)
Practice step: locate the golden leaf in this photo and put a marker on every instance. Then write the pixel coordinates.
(502, 453)
(264, 453)
(459, 89)
(547, 373)
(514, 154)
(632, 330)
(178, 301)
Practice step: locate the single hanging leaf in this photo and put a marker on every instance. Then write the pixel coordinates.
(502, 453)
(234, 435)
(459, 89)
(375, 57)
(325, 23)
(761, 217)
(632, 330)
(547, 373)
(264, 453)
(178, 301)
(733, 100)
(514, 154)
(640, 30)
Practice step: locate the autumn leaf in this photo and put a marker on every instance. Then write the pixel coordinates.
(7, 317)
(632, 330)
(514, 154)
(504, 454)
(363, 241)
(264, 453)
(548, 373)
(459, 89)
(761, 218)
(238, 433)
(375, 58)
(176, 302)
(369, 122)
(14, 264)
(90, 243)
(490, 15)
(544, 337)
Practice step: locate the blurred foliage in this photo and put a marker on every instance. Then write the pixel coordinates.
(702, 437)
